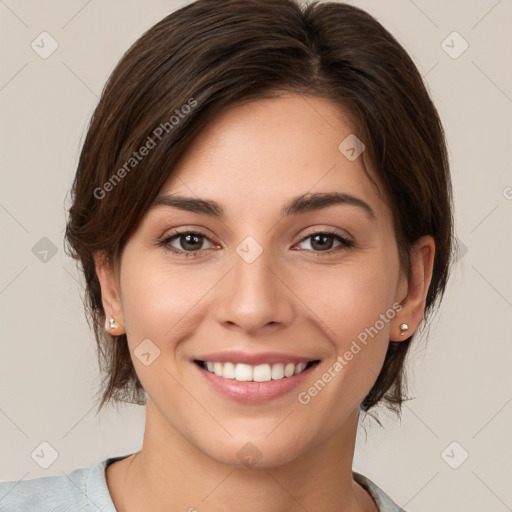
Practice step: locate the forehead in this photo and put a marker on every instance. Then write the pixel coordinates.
(262, 153)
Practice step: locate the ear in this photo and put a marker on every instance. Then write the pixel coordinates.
(110, 291)
(415, 290)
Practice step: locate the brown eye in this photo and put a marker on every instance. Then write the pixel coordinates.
(186, 243)
(189, 241)
(323, 242)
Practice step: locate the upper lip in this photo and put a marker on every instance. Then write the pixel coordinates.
(254, 359)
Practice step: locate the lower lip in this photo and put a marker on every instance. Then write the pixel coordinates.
(254, 392)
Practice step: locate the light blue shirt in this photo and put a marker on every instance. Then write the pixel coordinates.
(85, 490)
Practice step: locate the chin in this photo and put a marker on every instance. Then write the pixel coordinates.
(255, 453)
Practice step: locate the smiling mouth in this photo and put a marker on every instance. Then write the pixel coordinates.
(257, 373)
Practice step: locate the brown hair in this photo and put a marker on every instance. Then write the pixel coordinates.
(211, 55)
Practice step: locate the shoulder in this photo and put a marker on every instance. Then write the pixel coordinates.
(84, 489)
(383, 501)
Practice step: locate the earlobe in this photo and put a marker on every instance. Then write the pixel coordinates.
(413, 305)
(110, 296)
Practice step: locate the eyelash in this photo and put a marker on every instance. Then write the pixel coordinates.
(165, 242)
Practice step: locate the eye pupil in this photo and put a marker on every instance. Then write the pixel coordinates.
(191, 245)
(322, 245)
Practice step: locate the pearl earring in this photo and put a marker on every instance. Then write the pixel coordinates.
(403, 328)
(111, 324)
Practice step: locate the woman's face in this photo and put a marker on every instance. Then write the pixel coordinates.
(262, 283)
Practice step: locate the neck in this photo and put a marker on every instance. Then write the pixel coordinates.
(170, 473)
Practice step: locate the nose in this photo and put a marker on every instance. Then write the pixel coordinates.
(253, 297)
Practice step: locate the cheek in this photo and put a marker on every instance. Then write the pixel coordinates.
(351, 298)
(353, 308)
(160, 299)
(160, 304)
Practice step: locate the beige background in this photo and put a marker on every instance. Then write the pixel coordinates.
(460, 377)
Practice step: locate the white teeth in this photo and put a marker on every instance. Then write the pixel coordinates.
(228, 371)
(299, 368)
(289, 369)
(217, 369)
(262, 373)
(278, 371)
(259, 373)
(243, 372)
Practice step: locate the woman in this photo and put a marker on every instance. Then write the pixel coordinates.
(263, 214)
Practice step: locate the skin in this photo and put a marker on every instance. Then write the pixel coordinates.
(252, 159)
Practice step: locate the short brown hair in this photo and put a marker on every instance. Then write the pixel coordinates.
(213, 54)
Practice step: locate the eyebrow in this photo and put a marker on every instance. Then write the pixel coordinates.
(297, 205)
